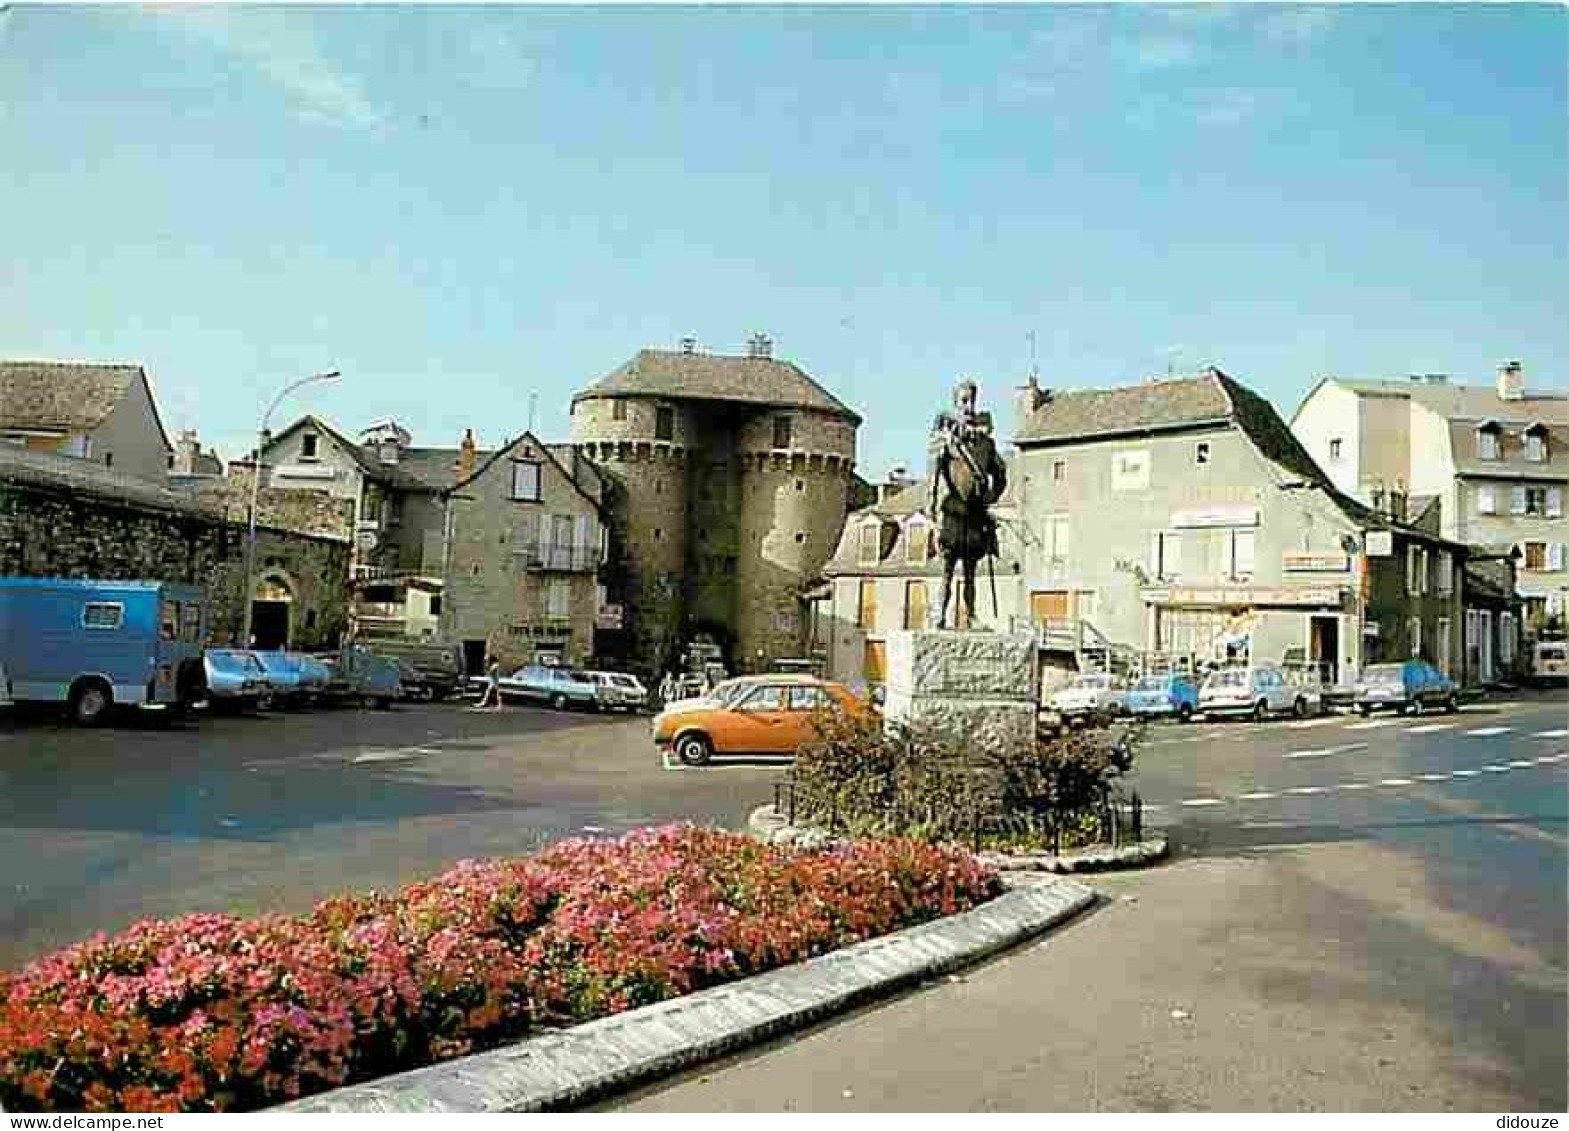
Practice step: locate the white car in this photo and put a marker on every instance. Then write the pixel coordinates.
(1257, 691)
(619, 691)
(1088, 695)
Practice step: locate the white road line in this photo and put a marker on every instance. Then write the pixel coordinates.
(1464, 773)
(1372, 724)
(1522, 763)
(1559, 733)
(1353, 785)
(1432, 777)
(1195, 802)
(1326, 751)
(1309, 723)
(1488, 706)
(1306, 789)
(1556, 757)
(1495, 768)
(1488, 732)
(1262, 795)
(1430, 728)
(1397, 781)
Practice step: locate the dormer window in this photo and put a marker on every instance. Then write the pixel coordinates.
(308, 446)
(1536, 444)
(1487, 445)
(870, 551)
(917, 539)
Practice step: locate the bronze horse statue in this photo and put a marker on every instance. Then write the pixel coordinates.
(970, 476)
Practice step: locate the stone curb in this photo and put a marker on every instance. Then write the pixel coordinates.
(568, 1068)
(767, 825)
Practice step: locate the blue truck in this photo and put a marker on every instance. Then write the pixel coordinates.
(97, 645)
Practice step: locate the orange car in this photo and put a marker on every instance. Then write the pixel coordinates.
(761, 714)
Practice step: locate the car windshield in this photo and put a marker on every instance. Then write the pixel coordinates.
(622, 680)
(1234, 678)
(1385, 673)
(1091, 682)
(1152, 683)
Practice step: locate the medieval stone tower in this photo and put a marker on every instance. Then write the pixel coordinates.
(733, 477)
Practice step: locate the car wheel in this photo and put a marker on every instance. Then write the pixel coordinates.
(1300, 708)
(1260, 711)
(1184, 713)
(1364, 711)
(90, 702)
(384, 704)
(558, 701)
(694, 749)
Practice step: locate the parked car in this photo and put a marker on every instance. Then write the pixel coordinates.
(1170, 694)
(764, 714)
(1410, 687)
(437, 665)
(236, 680)
(360, 676)
(1086, 695)
(1308, 680)
(619, 691)
(1550, 661)
(96, 645)
(285, 687)
(1258, 691)
(314, 676)
(560, 687)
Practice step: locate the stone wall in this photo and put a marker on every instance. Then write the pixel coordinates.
(52, 526)
(306, 512)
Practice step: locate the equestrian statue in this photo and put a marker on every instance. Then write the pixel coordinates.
(970, 476)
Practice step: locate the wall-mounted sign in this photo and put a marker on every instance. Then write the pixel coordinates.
(1327, 562)
(1214, 516)
(1243, 597)
(609, 617)
(1130, 471)
(1380, 543)
(306, 471)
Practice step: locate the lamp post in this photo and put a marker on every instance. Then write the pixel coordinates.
(256, 472)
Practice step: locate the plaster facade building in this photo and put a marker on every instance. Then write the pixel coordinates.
(1181, 518)
(730, 480)
(1492, 460)
(101, 413)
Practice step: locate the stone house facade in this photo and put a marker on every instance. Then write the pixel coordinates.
(104, 414)
(1182, 519)
(526, 537)
(1493, 461)
(729, 478)
(61, 516)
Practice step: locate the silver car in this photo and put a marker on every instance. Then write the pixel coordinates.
(619, 691)
(236, 680)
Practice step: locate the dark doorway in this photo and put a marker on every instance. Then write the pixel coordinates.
(1324, 647)
(270, 625)
(474, 657)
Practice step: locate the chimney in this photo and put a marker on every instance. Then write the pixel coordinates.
(1397, 501)
(466, 454)
(1377, 497)
(186, 449)
(760, 345)
(1032, 396)
(1511, 381)
(688, 345)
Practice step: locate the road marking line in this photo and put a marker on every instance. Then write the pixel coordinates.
(1521, 763)
(1306, 789)
(1430, 728)
(1488, 706)
(1372, 724)
(1262, 795)
(1195, 802)
(1354, 785)
(1397, 781)
(1555, 757)
(1495, 768)
(1325, 752)
(1432, 777)
(1307, 723)
(1488, 732)
(1559, 733)
(1464, 773)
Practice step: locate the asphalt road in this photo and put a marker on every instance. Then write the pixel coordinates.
(1359, 918)
(99, 828)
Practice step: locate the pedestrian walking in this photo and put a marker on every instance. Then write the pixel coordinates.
(667, 688)
(491, 700)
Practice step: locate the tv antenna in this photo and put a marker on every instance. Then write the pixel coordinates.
(533, 403)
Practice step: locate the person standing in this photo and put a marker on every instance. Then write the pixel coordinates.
(491, 700)
(667, 688)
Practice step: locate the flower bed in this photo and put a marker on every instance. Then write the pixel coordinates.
(215, 1013)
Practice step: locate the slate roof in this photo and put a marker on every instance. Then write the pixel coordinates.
(80, 476)
(709, 376)
(63, 396)
(1511, 442)
(433, 468)
(1475, 402)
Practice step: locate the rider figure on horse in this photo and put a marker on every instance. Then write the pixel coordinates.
(970, 476)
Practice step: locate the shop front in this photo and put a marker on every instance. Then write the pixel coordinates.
(1244, 624)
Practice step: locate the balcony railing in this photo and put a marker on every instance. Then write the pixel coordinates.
(555, 556)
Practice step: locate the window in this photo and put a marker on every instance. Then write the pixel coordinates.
(1555, 502)
(866, 604)
(1088, 604)
(917, 542)
(191, 622)
(769, 698)
(1166, 554)
(310, 616)
(1506, 637)
(1446, 574)
(808, 699)
(1057, 535)
(108, 459)
(664, 422)
(561, 532)
(308, 446)
(103, 614)
(1487, 443)
(781, 431)
(874, 661)
(1536, 447)
(915, 607)
(1059, 470)
(1242, 547)
(1535, 500)
(525, 480)
(1201, 452)
(558, 598)
(871, 548)
(1414, 630)
(1487, 499)
(1441, 645)
(618, 409)
(169, 620)
(1535, 556)
(1416, 570)
(1334, 449)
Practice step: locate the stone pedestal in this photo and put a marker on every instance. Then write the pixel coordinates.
(979, 683)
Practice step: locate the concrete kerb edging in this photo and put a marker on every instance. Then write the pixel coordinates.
(571, 1067)
(769, 826)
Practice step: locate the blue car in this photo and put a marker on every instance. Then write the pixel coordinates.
(1156, 695)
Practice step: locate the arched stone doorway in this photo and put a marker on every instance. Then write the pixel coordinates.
(272, 607)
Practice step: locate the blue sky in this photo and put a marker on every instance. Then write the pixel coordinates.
(460, 206)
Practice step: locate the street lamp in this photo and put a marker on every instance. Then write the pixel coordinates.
(256, 472)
